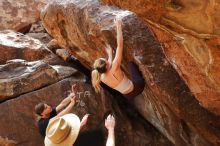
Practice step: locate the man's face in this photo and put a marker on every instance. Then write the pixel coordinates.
(47, 110)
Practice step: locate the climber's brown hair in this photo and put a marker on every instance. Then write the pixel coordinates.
(39, 108)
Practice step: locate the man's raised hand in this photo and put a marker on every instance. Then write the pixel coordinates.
(73, 91)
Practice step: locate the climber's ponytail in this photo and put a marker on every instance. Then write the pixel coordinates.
(96, 80)
(99, 67)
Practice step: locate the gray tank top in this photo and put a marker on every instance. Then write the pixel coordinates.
(123, 85)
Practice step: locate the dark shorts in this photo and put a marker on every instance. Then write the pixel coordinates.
(137, 79)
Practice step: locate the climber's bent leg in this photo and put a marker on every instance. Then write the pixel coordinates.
(137, 79)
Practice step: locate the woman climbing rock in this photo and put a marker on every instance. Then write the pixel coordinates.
(110, 73)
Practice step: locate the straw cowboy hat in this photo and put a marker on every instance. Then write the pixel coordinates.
(62, 131)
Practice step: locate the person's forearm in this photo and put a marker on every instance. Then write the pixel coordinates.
(119, 38)
(118, 55)
(63, 104)
(66, 110)
(110, 55)
(111, 138)
(66, 100)
(82, 124)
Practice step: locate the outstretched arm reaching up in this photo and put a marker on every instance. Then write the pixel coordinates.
(118, 56)
(84, 121)
(108, 50)
(110, 125)
(68, 108)
(67, 100)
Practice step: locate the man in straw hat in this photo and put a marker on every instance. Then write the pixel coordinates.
(65, 130)
(46, 113)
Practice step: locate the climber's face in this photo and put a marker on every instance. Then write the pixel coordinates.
(47, 110)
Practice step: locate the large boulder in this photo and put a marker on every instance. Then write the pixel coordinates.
(19, 76)
(189, 33)
(16, 45)
(20, 14)
(84, 28)
(197, 17)
(20, 126)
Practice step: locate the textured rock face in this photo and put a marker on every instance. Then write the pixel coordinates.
(198, 17)
(87, 102)
(189, 32)
(37, 31)
(20, 14)
(19, 76)
(15, 45)
(172, 70)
